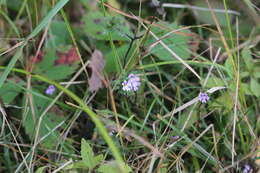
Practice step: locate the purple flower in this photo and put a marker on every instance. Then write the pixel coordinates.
(132, 83)
(247, 169)
(50, 90)
(203, 97)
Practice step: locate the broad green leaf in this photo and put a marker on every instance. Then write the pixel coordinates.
(9, 90)
(14, 4)
(111, 64)
(99, 27)
(77, 165)
(244, 74)
(229, 65)
(205, 16)
(256, 72)
(112, 167)
(47, 67)
(177, 42)
(224, 101)
(48, 123)
(88, 157)
(58, 35)
(246, 88)
(255, 87)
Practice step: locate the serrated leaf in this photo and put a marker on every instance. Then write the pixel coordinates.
(88, 157)
(177, 42)
(57, 67)
(48, 123)
(255, 87)
(99, 27)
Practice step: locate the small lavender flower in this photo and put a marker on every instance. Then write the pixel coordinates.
(203, 97)
(247, 168)
(132, 83)
(50, 90)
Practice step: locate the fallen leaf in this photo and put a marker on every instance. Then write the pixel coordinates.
(96, 64)
(67, 58)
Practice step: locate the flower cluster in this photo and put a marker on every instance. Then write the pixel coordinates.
(203, 97)
(132, 83)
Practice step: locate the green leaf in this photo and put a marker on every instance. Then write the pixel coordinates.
(223, 101)
(255, 87)
(246, 88)
(41, 169)
(47, 18)
(88, 156)
(48, 123)
(256, 72)
(10, 90)
(112, 167)
(177, 42)
(14, 4)
(58, 34)
(185, 115)
(99, 27)
(213, 82)
(10, 65)
(248, 60)
(48, 68)
(111, 64)
(229, 65)
(205, 16)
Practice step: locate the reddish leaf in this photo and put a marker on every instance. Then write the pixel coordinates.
(38, 58)
(97, 65)
(68, 57)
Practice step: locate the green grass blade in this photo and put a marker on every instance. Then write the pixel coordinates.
(11, 64)
(48, 18)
